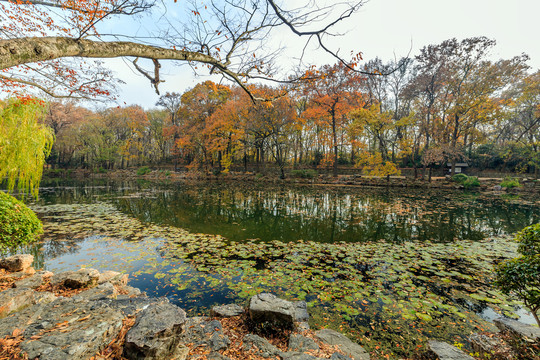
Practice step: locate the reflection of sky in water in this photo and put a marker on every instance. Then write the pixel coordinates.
(137, 259)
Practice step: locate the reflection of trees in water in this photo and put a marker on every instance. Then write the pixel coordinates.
(328, 216)
(45, 250)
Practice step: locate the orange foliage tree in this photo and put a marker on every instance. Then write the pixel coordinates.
(332, 94)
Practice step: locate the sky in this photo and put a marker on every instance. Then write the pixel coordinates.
(386, 29)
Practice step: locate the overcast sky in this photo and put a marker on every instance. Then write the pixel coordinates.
(387, 29)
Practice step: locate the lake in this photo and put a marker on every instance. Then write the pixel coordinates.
(389, 267)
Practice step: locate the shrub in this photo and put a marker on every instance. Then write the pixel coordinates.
(305, 173)
(470, 182)
(520, 277)
(460, 178)
(18, 224)
(510, 183)
(143, 170)
(167, 173)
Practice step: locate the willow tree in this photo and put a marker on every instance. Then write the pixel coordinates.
(24, 143)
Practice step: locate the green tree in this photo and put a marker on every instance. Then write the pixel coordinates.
(24, 143)
(521, 276)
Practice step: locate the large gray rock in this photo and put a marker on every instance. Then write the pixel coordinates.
(70, 328)
(268, 307)
(16, 262)
(482, 344)
(114, 277)
(76, 279)
(64, 329)
(229, 310)
(344, 344)
(34, 281)
(260, 345)
(444, 351)
(301, 343)
(16, 299)
(297, 356)
(526, 332)
(103, 291)
(155, 334)
(201, 332)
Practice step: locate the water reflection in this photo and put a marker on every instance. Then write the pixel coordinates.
(328, 215)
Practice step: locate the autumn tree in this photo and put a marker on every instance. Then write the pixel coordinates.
(331, 96)
(198, 106)
(47, 51)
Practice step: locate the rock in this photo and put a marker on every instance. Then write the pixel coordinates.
(497, 188)
(70, 329)
(268, 307)
(16, 262)
(34, 281)
(526, 332)
(219, 341)
(229, 310)
(76, 279)
(297, 356)
(344, 344)
(444, 351)
(15, 299)
(114, 277)
(200, 332)
(155, 334)
(103, 291)
(129, 291)
(301, 313)
(301, 343)
(483, 344)
(338, 356)
(260, 345)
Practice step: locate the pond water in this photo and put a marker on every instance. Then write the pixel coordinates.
(390, 268)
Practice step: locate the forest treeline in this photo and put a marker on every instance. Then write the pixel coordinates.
(449, 104)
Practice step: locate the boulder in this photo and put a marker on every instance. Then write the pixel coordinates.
(444, 351)
(155, 334)
(103, 291)
(113, 277)
(76, 279)
(229, 310)
(331, 337)
(267, 307)
(16, 262)
(338, 356)
(517, 329)
(482, 344)
(201, 332)
(260, 345)
(15, 299)
(34, 281)
(301, 343)
(70, 329)
(297, 356)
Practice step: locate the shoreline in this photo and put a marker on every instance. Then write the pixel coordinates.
(486, 184)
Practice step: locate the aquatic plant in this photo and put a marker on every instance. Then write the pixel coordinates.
(143, 170)
(509, 183)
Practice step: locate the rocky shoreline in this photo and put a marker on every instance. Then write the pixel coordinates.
(85, 314)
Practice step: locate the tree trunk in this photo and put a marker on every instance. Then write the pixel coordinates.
(334, 135)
